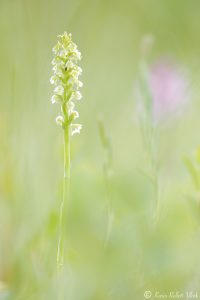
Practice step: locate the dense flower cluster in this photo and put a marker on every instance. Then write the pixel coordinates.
(66, 81)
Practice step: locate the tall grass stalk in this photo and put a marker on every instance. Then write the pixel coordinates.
(107, 173)
(149, 134)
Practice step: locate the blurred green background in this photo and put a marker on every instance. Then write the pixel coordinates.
(137, 256)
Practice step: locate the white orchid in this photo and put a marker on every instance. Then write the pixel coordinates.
(65, 78)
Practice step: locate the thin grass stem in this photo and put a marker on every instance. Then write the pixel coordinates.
(65, 196)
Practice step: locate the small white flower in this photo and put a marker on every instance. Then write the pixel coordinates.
(70, 106)
(57, 69)
(60, 121)
(63, 53)
(53, 79)
(77, 95)
(57, 61)
(72, 47)
(76, 128)
(79, 70)
(69, 64)
(55, 99)
(78, 55)
(79, 83)
(59, 90)
(76, 72)
(74, 114)
(56, 48)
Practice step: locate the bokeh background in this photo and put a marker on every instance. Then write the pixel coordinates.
(137, 257)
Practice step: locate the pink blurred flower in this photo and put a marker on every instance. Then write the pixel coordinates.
(169, 89)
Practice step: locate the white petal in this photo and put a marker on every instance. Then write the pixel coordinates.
(70, 105)
(77, 95)
(59, 90)
(60, 120)
(75, 114)
(55, 99)
(53, 80)
(76, 128)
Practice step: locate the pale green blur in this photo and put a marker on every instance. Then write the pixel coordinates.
(137, 256)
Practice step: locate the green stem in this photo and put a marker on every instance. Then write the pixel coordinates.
(154, 164)
(110, 206)
(66, 187)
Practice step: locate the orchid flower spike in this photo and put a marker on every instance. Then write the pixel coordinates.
(66, 81)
